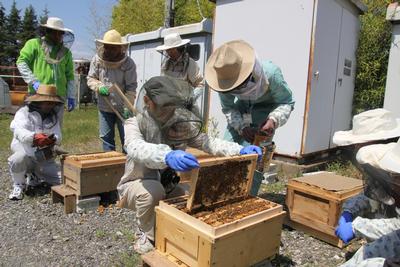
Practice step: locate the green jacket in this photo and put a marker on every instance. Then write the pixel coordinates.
(59, 74)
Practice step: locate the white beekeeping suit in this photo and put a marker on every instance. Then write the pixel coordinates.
(377, 211)
(33, 128)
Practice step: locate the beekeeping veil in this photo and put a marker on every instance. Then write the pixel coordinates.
(111, 50)
(380, 165)
(175, 111)
(55, 24)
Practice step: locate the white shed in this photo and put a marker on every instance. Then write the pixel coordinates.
(142, 49)
(314, 43)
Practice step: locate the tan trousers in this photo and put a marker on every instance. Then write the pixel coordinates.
(142, 196)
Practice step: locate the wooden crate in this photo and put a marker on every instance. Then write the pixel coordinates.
(315, 201)
(94, 173)
(243, 242)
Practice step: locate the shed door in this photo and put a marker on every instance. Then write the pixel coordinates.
(324, 72)
(342, 107)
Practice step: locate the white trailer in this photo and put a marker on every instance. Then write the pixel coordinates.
(142, 49)
(314, 42)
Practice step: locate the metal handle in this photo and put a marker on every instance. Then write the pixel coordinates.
(340, 81)
(316, 74)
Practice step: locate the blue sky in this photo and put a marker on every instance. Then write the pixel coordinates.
(76, 14)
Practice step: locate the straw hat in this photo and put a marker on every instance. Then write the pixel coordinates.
(229, 65)
(172, 40)
(376, 124)
(45, 93)
(112, 37)
(56, 24)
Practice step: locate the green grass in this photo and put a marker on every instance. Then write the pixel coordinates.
(345, 168)
(127, 259)
(100, 233)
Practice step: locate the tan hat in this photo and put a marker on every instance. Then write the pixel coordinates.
(172, 40)
(112, 37)
(56, 24)
(45, 93)
(371, 125)
(229, 65)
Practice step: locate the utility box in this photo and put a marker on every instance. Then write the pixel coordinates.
(314, 43)
(142, 49)
(315, 203)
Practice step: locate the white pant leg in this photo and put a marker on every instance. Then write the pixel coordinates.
(48, 171)
(143, 195)
(19, 163)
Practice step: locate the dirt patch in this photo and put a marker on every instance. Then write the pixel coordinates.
(232, 211)
(221, 182)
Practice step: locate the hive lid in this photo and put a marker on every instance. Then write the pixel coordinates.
(330, 181)
(220, 179)
(95, 159)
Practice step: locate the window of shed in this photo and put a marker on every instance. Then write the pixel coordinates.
(194, 51)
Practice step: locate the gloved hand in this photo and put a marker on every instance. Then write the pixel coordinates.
(126, 114)
(269, 127)
(104, 91)
(70, 104)
(35, 85)
(42, 139)
(251, 149)
(249, 133)
(181, 161)
(345, 229)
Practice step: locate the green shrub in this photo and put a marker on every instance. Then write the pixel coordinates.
(372, 57)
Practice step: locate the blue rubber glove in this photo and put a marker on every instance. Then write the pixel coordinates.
(35, 85)
(345, 229)
(70, 104)
(251, 149)
(181, 161)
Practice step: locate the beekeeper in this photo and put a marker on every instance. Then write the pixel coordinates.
(36, 129)
(155, 143)
(48, 60)
(109, 66)
(177, 62)
(254, 95)
(375, 213)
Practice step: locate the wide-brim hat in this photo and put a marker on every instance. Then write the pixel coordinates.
(45, 93)
(172, 40)
(55, 24)
(371, 125)
(230, 65)
(112, 37)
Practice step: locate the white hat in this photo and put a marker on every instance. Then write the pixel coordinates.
(382, 156)
(56, 24)
(376, 124)
(172, 40)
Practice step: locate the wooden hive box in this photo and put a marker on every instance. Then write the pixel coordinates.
(315, 201)
(190, 228)
(94, 173)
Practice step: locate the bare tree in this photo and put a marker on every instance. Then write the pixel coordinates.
(99, 18)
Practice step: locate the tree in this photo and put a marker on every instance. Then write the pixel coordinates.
(372, 57)
(45, 15)
(136, 16)
(3, 19)
(29, 25)
(13, 26)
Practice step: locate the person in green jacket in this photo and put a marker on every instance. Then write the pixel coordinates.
(255, 97)
(48, 60)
